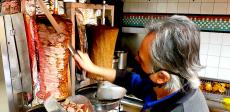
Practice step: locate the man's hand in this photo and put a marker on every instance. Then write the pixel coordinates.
(84, 61)
(86, 64)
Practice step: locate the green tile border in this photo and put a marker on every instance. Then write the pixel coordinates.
(212, 23)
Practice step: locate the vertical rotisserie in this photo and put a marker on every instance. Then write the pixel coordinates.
(53, 59)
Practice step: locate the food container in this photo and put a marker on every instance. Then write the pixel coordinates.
(122, 59)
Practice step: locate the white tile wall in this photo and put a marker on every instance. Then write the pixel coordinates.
(202, 73)
(183, 7)
(194, 8)
(143, 1)
(183, 0)
(203, 59)
(224, 63)
(213, 61)
(215, 55)
(226, 39)
(220, 8)
(207, 8)
(224, 74)
(211, 72)
(131, 0)
(172, 8)
(131, 7)
(195, 0)
(152, 7)
(161, 7)
(204, 48)
(142, 7)
(136, 7)
(225, 51)
(173, 1)
(153, 1)
(214, 50)
(126, 7)
(228, 9)
(163, 0)
(205, 37)
(221, 0)
(208, 1)
(216, 38)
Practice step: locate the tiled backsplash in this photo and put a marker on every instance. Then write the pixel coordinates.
(220, 23)
(215, 55)
(178, 6)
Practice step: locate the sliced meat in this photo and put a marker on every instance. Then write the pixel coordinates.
(53, 58)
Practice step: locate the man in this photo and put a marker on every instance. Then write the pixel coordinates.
(169, 58)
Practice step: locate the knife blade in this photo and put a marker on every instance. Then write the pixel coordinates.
(74, 52)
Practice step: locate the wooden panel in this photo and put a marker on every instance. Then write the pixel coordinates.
(101, 46)
(22, 49)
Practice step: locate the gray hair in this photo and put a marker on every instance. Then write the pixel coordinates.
(176, 49)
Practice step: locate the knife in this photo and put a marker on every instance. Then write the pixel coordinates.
(74, 52)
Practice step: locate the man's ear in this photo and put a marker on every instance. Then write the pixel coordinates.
(162, 77)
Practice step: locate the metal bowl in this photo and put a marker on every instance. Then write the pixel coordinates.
(109, 91)
(98, 105)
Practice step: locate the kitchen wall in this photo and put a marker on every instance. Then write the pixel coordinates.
(215, 46)
(215, 55)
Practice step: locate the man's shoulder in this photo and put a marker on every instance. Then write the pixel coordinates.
(196, 103)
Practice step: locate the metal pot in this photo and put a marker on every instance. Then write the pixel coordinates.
(98, 105)
(120, 60)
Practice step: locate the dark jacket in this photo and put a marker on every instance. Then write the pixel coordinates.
(184, 100)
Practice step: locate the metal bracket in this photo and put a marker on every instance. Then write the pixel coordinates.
(12, 32)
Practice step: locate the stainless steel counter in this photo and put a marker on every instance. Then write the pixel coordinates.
(131, 104)
(216, 106)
